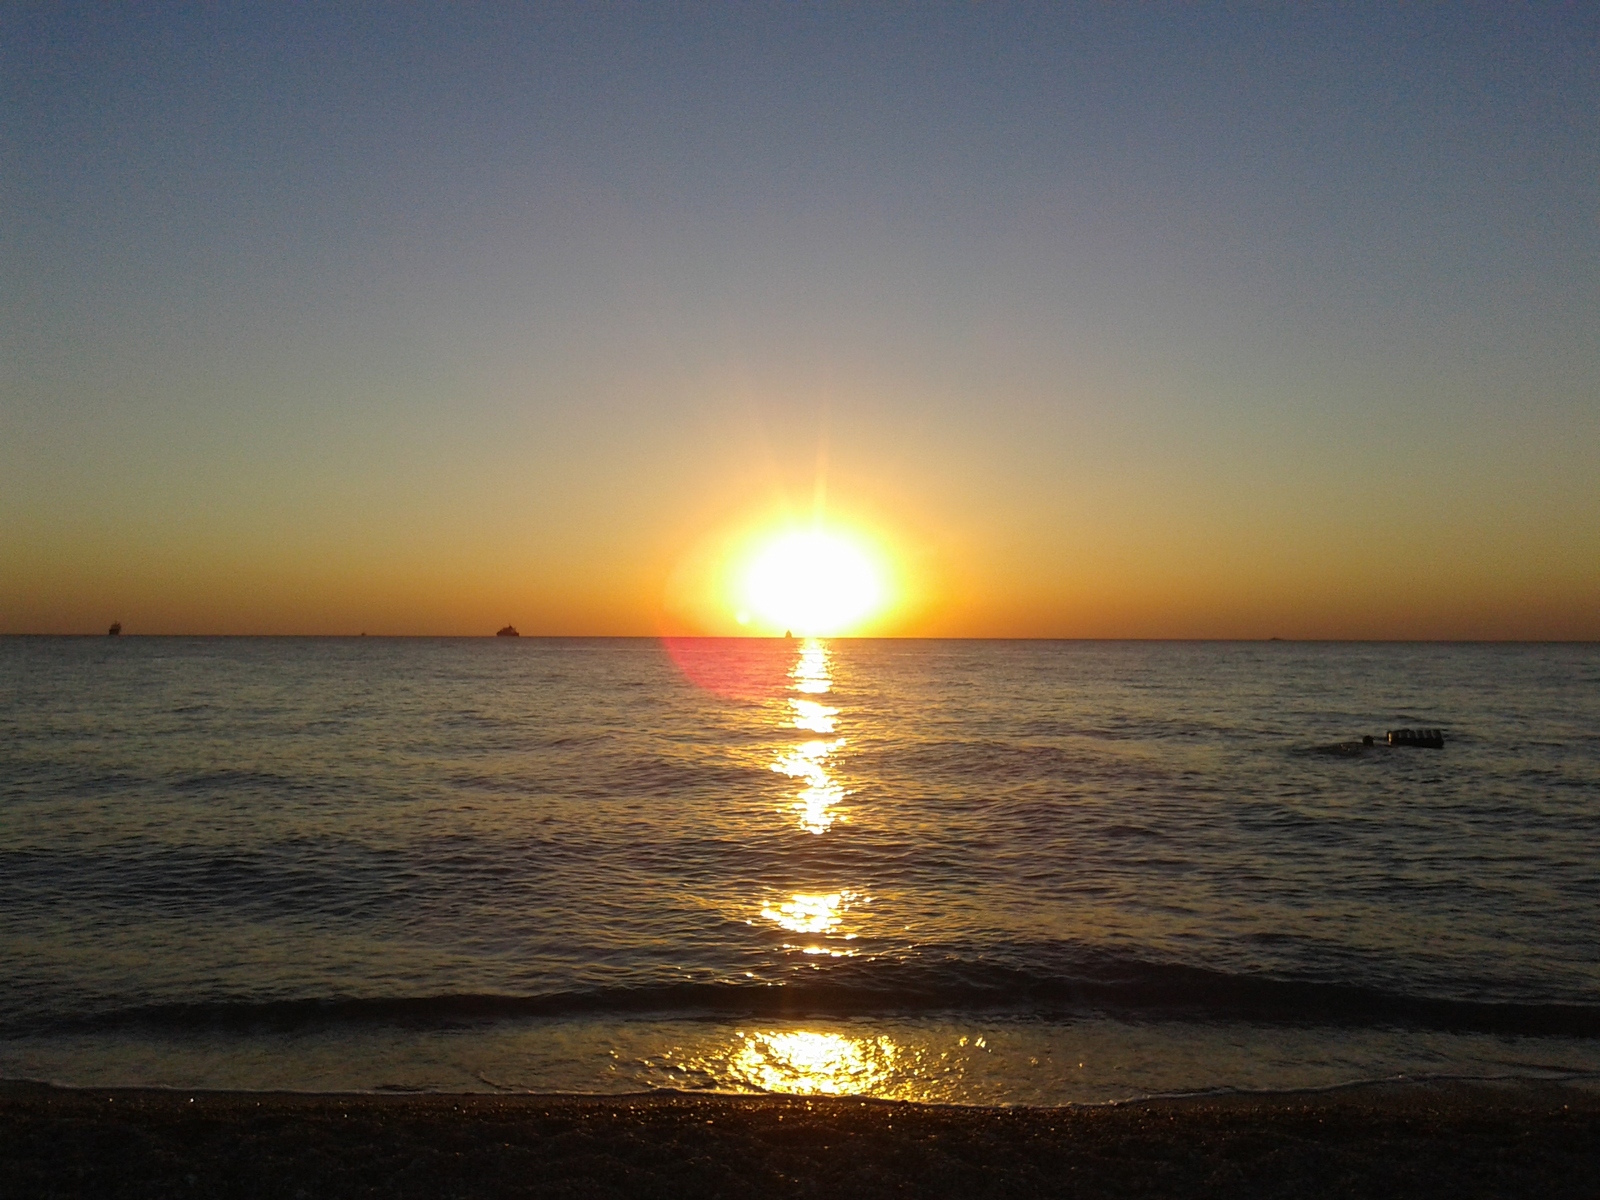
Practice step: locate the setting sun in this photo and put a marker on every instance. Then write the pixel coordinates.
(812, 583)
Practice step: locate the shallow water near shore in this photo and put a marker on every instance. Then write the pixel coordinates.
(986, 872)
(1017, 1061)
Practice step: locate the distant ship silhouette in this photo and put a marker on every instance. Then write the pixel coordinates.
(508, 631)
(115, 630)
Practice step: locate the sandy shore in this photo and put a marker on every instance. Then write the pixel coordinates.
(1406, 1140)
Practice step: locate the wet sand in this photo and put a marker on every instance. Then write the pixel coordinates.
(1390, 1140)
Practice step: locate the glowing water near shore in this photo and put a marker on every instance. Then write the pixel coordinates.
(1027, 872)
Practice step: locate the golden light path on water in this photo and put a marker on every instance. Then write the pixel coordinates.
(823, 920)
(930, 1065)
(813, 912)
(804, 1061)
(808, 761)
(806, 912)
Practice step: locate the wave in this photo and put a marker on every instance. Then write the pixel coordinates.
(1122, 989)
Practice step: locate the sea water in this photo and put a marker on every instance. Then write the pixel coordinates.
(968, 871)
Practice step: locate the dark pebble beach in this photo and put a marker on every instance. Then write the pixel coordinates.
(1451, 1140)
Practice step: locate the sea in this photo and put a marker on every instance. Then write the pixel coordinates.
(970, 872)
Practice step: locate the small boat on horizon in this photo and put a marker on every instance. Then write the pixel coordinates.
(508, 631)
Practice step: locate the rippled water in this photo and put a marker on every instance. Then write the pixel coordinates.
(980, 871)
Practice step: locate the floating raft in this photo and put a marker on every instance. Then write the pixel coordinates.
(1431, 739)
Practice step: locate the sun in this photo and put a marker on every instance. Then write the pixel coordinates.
(814, 583)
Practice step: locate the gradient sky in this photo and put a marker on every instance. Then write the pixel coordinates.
(1116, 321)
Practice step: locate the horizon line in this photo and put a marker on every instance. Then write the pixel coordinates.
(623, 637)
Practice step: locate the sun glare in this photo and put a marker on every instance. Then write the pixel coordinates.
(801, 1062)
(812, 583)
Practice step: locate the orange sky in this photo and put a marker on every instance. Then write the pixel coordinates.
(1157, 323)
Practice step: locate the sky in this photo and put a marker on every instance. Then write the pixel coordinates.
(1093, 321)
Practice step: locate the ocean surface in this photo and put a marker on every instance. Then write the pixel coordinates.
(978, 872)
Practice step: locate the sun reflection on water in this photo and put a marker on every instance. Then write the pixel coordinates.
(814, 717)
(819, 914)
(808, 912)
(808, 761)
(891, 1059)
(814, 803)
(811, 674)
(813, 1064)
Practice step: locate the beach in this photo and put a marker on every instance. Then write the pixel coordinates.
(1456, 1140)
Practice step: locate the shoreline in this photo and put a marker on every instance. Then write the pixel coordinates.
(1455, 1138)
